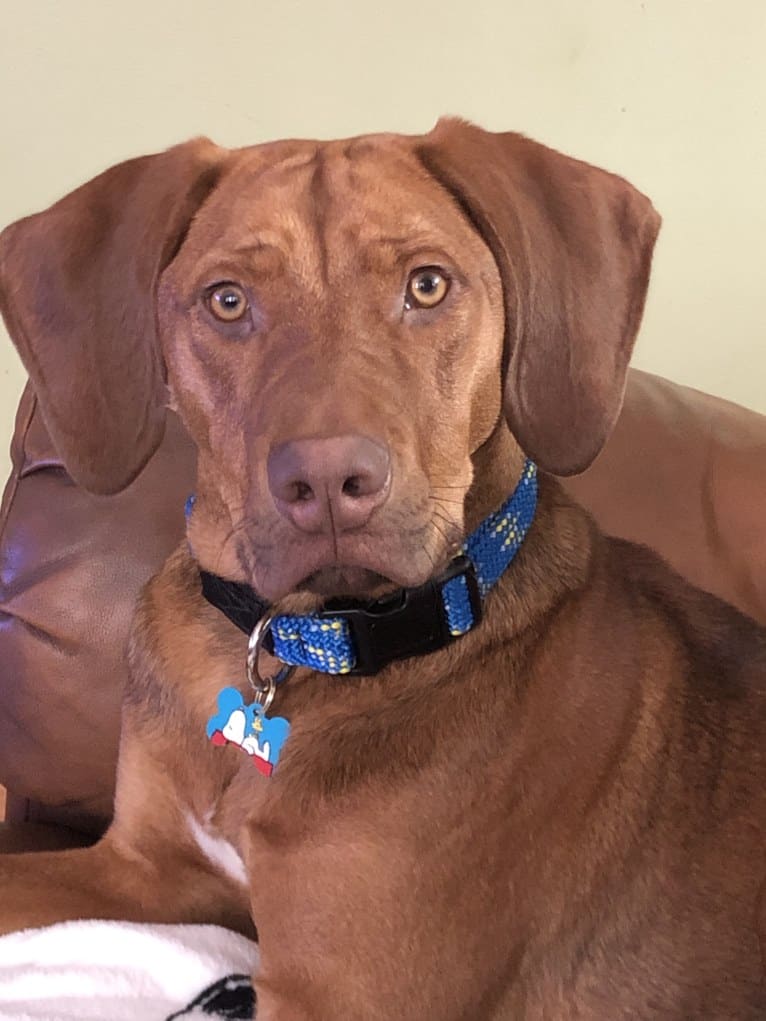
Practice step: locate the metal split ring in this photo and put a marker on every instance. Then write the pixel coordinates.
(265, 688)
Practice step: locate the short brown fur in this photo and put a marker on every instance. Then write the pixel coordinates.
(559, 816)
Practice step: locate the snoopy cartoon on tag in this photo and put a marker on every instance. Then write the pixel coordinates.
(246, 726)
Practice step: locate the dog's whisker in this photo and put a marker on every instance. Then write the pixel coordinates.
(444, 515)
(441, 533)
(450, 528)
(244, 523)
(424, 548)
(443, 499)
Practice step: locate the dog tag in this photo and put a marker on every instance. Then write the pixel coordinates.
(247, 726)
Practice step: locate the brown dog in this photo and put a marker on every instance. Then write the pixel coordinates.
(560, 814)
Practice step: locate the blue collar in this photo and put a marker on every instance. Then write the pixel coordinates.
(362, 638)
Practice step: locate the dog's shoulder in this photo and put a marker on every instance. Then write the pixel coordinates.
(180, 648)
(720, 650)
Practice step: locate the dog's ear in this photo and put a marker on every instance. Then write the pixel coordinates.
(573, 245)
(77, 289)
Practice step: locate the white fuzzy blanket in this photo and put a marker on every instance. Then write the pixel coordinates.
(119, 971)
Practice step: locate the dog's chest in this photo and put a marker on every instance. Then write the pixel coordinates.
(221, 854)
(358, 899)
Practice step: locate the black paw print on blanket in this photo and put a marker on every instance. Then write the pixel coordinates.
(231, 998)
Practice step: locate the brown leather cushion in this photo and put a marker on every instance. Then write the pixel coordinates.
(684, 472)
(71, 566)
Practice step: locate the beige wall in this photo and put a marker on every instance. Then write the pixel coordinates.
(671, 93)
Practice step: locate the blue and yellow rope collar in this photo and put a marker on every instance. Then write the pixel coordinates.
(364, 638)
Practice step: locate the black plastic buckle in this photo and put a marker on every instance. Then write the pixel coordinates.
(409, 623)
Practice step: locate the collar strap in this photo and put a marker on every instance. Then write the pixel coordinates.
(362, 638)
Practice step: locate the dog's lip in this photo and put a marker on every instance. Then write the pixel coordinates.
(365, 573)
(347, 580)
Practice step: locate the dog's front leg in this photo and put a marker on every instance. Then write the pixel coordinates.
(145, 869)
(112, 881)
(95, 882)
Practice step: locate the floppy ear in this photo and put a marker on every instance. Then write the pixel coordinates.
(77, 294)
(573, 245)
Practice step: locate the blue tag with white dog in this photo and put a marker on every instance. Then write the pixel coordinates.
(259, 736)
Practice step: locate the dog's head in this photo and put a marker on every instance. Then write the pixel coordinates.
(341, 326)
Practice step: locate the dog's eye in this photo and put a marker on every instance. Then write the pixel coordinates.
(426, 288)
(227, 302)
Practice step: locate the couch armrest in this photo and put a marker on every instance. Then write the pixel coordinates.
(71, 567)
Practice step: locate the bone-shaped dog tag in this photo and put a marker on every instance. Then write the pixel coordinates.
(247, 726)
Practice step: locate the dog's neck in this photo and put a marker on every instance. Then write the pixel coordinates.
(497, 464)
(352, 728)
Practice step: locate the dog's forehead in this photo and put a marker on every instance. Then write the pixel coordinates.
(365, 189)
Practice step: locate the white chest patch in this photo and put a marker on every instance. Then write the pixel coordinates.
(219, 852)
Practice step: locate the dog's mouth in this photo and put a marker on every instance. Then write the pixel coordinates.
(356, 567)
(346, 582)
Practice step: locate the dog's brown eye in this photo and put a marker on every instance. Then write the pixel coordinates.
(426, 288)
(227, 302)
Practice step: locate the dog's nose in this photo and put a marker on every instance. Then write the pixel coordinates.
(334, 484)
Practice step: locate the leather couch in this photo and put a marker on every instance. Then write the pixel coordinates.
(683, 472)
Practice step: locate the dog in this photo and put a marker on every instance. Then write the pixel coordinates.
(528, 780)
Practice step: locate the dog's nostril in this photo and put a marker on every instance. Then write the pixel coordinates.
(353, 486)
(303, 491)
